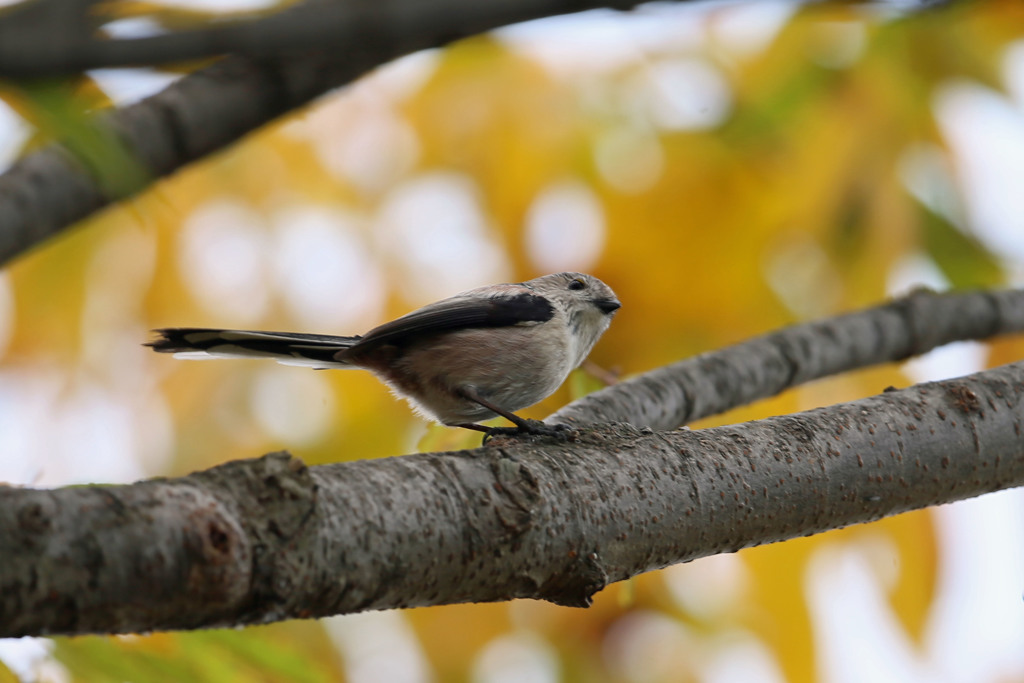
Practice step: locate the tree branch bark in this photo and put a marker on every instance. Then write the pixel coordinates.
(268, 539)
(50, 190)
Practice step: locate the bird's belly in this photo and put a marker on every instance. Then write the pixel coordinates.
(513, 370)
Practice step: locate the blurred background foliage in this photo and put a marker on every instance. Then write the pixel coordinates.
(727, 168)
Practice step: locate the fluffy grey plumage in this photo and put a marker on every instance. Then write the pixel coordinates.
(485, 352)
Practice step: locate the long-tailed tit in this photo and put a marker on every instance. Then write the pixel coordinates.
(485, 352)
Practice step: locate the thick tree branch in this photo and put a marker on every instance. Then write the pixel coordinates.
(261, 540)
(711, 383)
(49, 190)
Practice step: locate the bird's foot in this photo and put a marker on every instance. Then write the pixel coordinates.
(531, 427)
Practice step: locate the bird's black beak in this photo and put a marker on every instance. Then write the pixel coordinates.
(607, 306)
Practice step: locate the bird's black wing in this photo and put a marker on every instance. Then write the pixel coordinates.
(458, 313)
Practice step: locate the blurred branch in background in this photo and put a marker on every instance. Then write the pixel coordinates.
(343, 27)
(50, 189)
(262, 540)
(44, 32)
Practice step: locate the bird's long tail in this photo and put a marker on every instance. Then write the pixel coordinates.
(289, 348)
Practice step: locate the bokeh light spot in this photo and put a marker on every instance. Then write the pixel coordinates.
(687, 94)
(516, 658)
(223, 260)
(325, 271)
(565, 227)
(804, 278)
(378, 646)
(435, 227)
(294, 405)
(645, 645)
(629, 159)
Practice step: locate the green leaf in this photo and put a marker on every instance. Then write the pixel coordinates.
(67, 116)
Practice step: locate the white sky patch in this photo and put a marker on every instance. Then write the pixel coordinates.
(747, 29)
(913, 272)
(857, 636)
(516, 658)
(401, 78)
(686, 94)
(599, 40)
(593, 41)
(565, 228)
(977, 627)
(435, 226)
(379, 91)
(629, 158)
(14, 131)
(325, 270)
(378, 646)
(986, 132)
(223, 261)
(128, 86)
(294, 406)
(133, 27)
(952, 360)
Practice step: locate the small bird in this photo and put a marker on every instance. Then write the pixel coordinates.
(488, 351)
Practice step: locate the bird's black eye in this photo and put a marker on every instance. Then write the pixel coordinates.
(577, 284)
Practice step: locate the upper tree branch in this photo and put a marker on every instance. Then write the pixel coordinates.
(25, 52)
(316, 24)
(49, 190)
(260, 540)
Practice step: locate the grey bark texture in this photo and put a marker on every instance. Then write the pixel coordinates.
(268, 539)
(49, 190)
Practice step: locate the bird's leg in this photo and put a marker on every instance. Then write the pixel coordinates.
(474, 427)
(522, 425)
